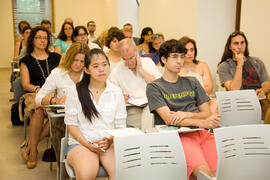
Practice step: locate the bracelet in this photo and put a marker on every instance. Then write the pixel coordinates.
(35, 89)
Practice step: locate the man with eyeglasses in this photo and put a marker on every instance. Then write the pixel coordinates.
(132, 75)
(182, 101)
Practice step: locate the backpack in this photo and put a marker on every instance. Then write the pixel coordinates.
(15, 119)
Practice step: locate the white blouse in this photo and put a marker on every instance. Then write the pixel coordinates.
(111, 108)
(58, 80)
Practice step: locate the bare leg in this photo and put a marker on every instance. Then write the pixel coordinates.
(36, 123)
(45, 131)
(203, 168)
(84, 162)
(108, 162)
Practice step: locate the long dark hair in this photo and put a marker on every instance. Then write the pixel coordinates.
(185, 40)
(144, 33)
(30, 44)
(228, 52)
(62, 34)
(88, 107)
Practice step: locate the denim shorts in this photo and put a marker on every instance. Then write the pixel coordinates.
(69, 147)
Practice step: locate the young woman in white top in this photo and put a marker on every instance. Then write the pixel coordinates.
(61, 78)
(95, 105)
(198, 69)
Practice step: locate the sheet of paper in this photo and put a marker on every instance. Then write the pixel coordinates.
(123, 132)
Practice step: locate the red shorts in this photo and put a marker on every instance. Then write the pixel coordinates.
(200, 149)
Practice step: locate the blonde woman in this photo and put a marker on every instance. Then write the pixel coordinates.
(61, 78)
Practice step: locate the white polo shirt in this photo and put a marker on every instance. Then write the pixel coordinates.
(133, 84)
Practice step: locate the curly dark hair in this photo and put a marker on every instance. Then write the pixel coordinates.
(116, 33)
(62, 34)
(30, 44)
(170, 46)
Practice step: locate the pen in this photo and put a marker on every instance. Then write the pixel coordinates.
(209, 130)
(95, 144)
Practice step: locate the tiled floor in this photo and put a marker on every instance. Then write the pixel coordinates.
(12, 165)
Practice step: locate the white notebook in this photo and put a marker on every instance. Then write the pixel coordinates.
(165, 128)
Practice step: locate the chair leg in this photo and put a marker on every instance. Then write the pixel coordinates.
(25, 128)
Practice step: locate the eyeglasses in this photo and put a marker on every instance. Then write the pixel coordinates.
(84, 34)
(236, 33)
(40, 38)
(175, 56)
(129, 59)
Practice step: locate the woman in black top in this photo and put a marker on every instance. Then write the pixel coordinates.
(35, 67)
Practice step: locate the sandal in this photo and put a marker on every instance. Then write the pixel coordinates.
(24, 153)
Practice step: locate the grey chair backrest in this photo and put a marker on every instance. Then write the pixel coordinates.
(243, 152)
(156, 156)
(238, 107)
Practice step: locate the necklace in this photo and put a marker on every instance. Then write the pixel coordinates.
(47, 67)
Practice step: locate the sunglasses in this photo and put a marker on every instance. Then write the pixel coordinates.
(237, 33)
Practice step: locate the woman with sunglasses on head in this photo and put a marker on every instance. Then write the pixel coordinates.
(94, 106)
(64, 39)
(61, 78)
(237, 70)
(198, 69)
(35, 67)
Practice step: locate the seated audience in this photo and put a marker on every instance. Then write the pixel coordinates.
(35, 67)
(94, 106)
(198, 69)
(158, 39)
(181, 101)
(80, 35)
(91, 26)
(112, 42)
(20, 46)
(132, 75)
(237, 70)
(128, 32)
(21, 25)
(62, 78)
(145, 44)
(64, 39)
(47, 25)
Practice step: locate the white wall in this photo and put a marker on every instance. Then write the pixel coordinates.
(6, 33)
(216, 20)
(173, 18)
(255, 24)
(128, 12)
(103, 12)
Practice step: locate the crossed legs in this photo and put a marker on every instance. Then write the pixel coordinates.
(37, 131)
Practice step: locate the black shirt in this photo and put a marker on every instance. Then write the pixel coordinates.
(35, 74)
